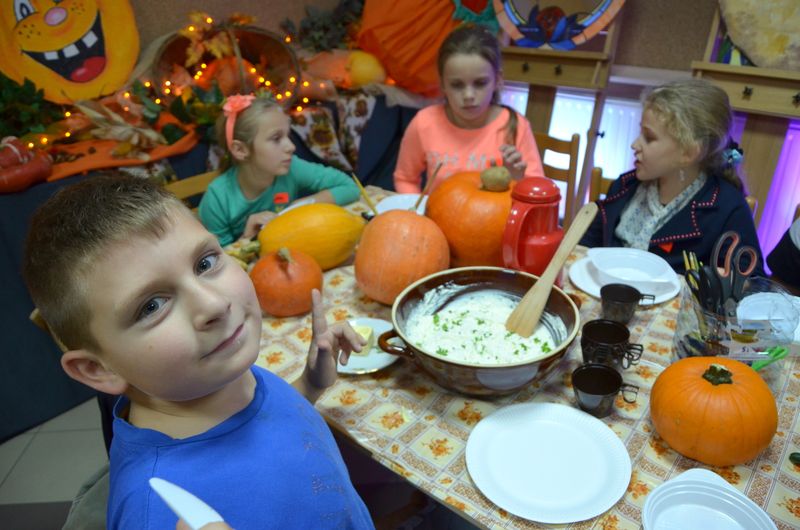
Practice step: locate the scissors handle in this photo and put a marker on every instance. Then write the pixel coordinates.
(739, 274)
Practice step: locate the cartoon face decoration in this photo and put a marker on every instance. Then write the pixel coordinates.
(73, 49)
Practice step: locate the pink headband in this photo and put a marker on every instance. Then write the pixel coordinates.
(233, 106)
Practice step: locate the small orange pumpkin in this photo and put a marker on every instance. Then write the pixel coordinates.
(284, 281)
(717, 411)
(471, 208)
(397, 248)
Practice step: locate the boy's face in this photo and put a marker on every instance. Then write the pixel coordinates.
(174, 316)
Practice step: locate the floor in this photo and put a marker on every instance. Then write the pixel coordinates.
(42, 469)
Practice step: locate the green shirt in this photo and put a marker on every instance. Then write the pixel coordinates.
(224, 209)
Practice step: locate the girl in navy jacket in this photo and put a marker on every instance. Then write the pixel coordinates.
(684, 191)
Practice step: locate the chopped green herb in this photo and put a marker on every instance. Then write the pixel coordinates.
(436, 319)
(441, 351)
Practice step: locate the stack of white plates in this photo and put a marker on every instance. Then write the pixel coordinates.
(700, 499)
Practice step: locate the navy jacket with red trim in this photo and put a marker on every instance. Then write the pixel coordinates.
(717, 208)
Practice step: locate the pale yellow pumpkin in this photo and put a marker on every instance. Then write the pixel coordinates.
(364, 68)
(326, 232)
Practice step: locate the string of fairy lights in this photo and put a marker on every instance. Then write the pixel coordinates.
(165, 90)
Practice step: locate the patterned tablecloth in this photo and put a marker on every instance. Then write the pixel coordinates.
(420, 431)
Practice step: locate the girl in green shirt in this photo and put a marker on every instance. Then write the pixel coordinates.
(265, 177)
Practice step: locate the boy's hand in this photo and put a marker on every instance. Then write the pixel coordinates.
(328, 344)
(512, 160)
(255, 222)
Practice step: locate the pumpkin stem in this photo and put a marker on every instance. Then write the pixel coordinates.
(718, 375)
(285, 255)
(495, 178)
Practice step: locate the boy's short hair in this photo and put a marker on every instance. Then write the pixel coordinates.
(75, 227)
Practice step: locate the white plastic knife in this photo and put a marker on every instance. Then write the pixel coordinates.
(186, 506)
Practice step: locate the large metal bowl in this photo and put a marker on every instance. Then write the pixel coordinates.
(477, 379)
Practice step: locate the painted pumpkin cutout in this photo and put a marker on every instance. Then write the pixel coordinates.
(73, 49)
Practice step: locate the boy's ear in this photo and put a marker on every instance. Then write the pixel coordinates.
(85, 367)
(239, 150)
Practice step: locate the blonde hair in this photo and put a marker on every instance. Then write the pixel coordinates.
(696, 112)
(474, 39)
(72, 230)
(246, 126)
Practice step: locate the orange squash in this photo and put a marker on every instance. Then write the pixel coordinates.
(326, 232)
(471, 208)
(397, 248)
(717, 411)
(283, 282)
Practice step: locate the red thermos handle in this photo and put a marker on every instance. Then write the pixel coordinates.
(511, 235)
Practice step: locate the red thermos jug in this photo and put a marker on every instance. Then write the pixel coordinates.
(532, 234)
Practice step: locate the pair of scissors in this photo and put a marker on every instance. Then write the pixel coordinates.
(737, 265)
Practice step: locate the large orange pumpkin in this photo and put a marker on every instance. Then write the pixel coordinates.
(472, 216)
(73, 50)
(284, 281)
(397, 248)
(717, 411)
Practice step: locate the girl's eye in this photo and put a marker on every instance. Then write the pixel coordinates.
(456, 84)
(151, 307)
(23, 9)
(207, 263)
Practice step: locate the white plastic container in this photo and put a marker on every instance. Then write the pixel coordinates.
(649, 273)
(700, 499)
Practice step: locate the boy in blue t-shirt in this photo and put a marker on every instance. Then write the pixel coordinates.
(149, 307)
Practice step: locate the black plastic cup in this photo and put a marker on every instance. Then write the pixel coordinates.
(620, 301)
(608, 342)
(596, 387)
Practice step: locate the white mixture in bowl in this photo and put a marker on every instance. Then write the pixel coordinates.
(472, 329)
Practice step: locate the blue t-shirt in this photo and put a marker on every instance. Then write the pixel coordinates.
(274, 464)
(224, 209)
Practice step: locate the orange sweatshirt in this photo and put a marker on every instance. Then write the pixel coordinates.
(431, 138)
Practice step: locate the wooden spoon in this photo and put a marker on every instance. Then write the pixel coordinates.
(525, 317)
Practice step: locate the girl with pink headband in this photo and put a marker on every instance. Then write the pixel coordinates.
(264, 176)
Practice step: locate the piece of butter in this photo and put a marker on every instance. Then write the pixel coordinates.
(369, 335)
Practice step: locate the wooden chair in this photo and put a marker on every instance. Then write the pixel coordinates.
(193, 186)
(37, 319)
(599, 185)
(752, 202)
(545, 142)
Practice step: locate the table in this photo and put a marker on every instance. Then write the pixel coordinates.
(419, 430)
